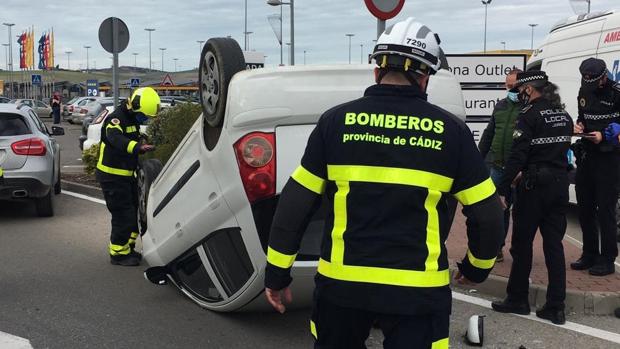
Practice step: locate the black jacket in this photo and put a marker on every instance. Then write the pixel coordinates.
(119, 146)
(387, 164)
(596, 111)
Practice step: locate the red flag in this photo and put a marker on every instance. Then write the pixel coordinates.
(46, 52)
(22, 51)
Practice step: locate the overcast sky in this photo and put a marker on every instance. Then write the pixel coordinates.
(320, 26)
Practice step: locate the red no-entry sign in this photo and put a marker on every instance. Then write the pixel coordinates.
(384, 9)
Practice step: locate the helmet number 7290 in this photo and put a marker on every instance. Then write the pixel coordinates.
(416, 43)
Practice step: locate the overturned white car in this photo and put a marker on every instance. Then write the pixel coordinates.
(207, 214)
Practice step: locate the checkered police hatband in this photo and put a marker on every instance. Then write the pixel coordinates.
(594, 79)
(551, 140)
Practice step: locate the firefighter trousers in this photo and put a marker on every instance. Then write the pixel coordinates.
(542, 207)
(121, 198)
(336, 327)
(597, 193)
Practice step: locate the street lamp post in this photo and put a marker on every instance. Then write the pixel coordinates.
(292, 5)
(175, 64)
(9, 25)
(162, 57)
(486, 6)
(135, 60)
(150, 30)
(350, 36)
(87, 66)
(200, 42)
(247, 39)
(304, 57)
(361, 53)
(533, 25)
(503, 43)
(68, 59)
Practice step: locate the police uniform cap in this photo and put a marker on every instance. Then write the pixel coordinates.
(529, 77)
(592, 69)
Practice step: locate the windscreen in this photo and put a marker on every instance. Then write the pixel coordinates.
(13, 125)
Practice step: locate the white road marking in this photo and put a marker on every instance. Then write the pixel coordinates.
(84, 197)
(571, 326)
(74, 166)
(580, 244)
(9, 341)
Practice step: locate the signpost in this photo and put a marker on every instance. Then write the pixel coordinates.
(114, 38)
(167, 81)
(92, 88)
(36, 79)
(134, 82)
(384, 10)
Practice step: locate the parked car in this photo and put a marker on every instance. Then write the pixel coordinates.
(29, 158)
(95, 118)
(78, 109)
(207, 214)
(39, 107)
(4, 100)
(65, 106)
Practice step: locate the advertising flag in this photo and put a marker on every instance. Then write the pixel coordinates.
(22, 50)
(41, 51)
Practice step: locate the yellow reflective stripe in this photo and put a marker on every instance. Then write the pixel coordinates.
(119, 249)
(480, 263)
(441, 344)
(309, 180)
(433, 238)
(1, 172)
(389, 175)
(115, 171)
(131, 146)
(134, 235)
(384, 276)
(114, 126)
(340, 222)
(313, 329)
(280, 260)
(130, 129)
(476, 193)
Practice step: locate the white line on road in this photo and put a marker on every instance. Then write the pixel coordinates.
(84, 197)
(74, 166)
(9, 341)
(571, 326)
(580, 244)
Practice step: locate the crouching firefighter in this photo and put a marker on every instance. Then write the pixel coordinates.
(118, 158)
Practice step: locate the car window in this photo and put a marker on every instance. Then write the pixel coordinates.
(13, 125)
(40, 126)
(72, 100)
(83, 102)
(41, 105)
(28, 103)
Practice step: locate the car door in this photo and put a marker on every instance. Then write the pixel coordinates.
(51, 143)
(42, 109)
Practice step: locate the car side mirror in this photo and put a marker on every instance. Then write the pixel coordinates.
(58, 131)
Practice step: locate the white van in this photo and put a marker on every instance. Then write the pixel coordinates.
(569, 43)
(573, 40)
(208, 212)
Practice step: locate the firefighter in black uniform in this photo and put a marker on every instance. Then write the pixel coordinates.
(541, 142)
(597, 169)
(387, 164)
(118, 158)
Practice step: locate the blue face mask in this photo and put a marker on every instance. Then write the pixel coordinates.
(513, 96)
(142, 119)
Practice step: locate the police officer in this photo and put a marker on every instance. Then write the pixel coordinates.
(387, 164)
(597, 171)
(541, 142)
(118, 158)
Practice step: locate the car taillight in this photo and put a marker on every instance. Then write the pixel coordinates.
(83, 111)
(256, 157)
(71, 108)
(31, 146)
(101, 117)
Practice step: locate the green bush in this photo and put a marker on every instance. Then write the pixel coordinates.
(168, 129)
(90, 157)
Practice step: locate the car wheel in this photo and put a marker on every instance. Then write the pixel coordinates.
(58, 186)
(220, 60)
(147, 172)
(45, 205)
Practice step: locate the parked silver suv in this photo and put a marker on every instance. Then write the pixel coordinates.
(29, 158)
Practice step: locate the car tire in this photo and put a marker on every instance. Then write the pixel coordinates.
(146, 173)
(45, 205)
(58, 186)
(220, 60)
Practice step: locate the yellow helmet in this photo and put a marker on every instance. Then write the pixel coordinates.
(145, 100)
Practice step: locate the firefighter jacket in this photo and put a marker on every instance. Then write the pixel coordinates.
(119, 147)
(541, 140)
(597, 109)
(387, 164)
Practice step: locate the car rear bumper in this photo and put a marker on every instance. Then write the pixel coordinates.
(22, 188)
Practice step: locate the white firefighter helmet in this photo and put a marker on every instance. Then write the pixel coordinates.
(475, 331)
(410, 46)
